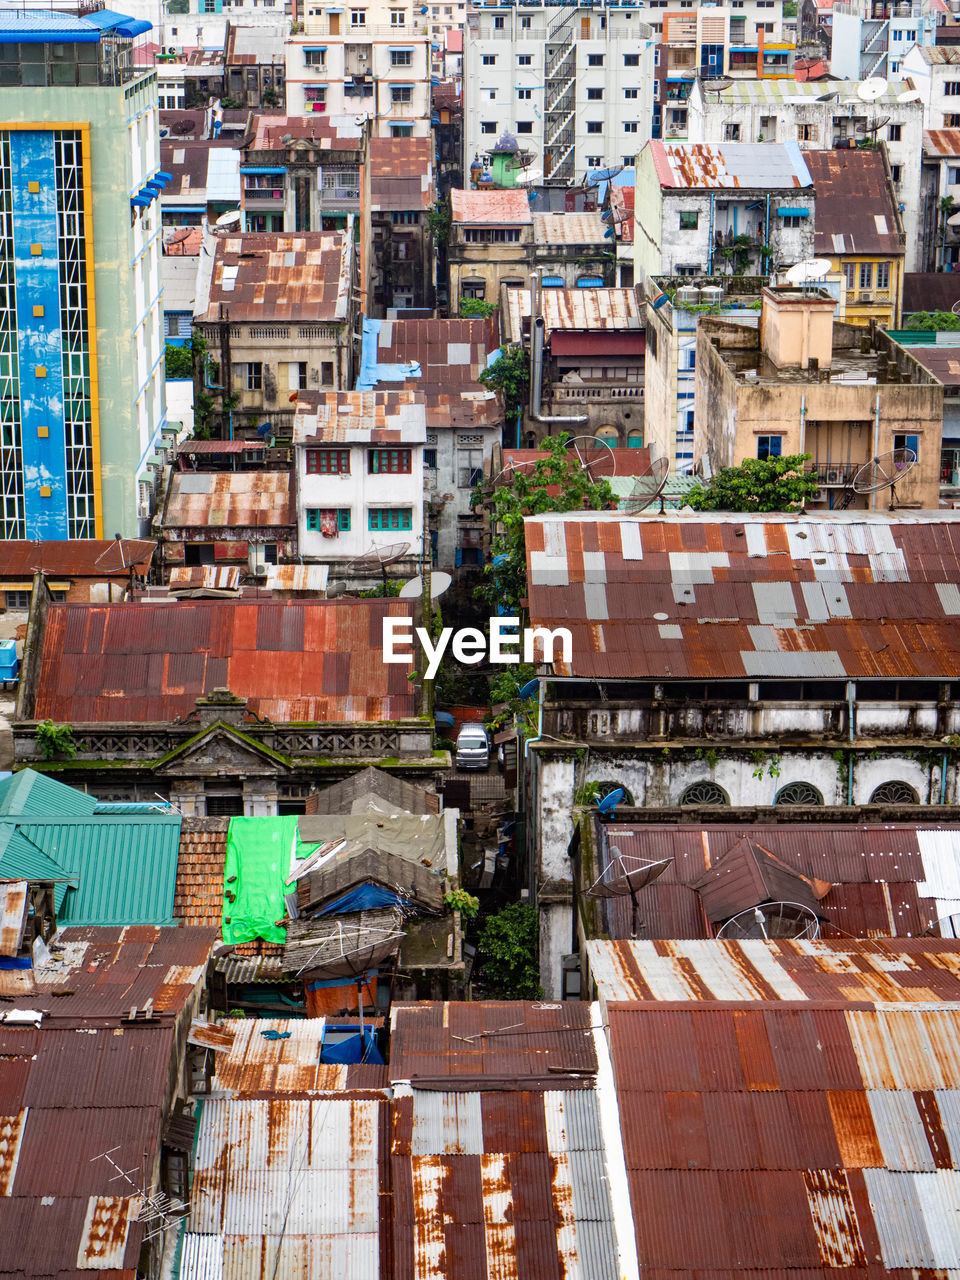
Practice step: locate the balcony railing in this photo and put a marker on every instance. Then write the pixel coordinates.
(833, 474)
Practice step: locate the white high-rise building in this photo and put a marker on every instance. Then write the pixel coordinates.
(575, 85)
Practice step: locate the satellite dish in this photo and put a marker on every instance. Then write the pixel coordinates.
(910, 95)
(413, 589)
(378, 558)
(228, 219)
(647, 488)
(828, 97)
(809, 270)
(770, 921)
(717, 84)
(955, 306)
(596, 457)
(623, 876)
(610, 801)
(884, 472)
(944, 927)
(879, 123)
(872, 89)
(954, 220)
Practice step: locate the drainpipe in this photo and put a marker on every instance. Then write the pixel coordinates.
(529, 741)
(803, 422)
(766, 238)
(876, 445)
(536, 379)
(851, 687)
(710, 234)
(943, 779)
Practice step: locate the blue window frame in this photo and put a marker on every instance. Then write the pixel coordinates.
(769, 446)
(907, 442)
(384, 518)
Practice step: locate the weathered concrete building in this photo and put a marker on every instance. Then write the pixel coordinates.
(402, 191)
(490, 237)
(803, 384)
(749, 661)
(743, 208)
(242, 518)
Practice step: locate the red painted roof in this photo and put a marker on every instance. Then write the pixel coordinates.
(75, 558)
(294, 662)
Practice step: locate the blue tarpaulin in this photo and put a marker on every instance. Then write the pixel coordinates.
(354, 1049)
(366, 897)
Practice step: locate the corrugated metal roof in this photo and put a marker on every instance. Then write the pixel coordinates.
(256, 1065)
(205, 577)
(490, 208)
(298, 577)
(703, 166)
(13, 915)
(323, 134)
(568, 228)
(586, 309)
(29, 793)
(83, 558)
(268, 276)
(229, 499)
(838, 608)
(293, 661)
(359, 417)
(855, 209)
(941, 142)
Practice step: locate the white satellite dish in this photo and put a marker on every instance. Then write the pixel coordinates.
(809, 270)
(413, 589)
(872, 89)
(228, 219)
(954, 220)
(910, 95)
(798, 100)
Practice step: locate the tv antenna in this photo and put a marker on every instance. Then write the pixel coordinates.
(647, 488)
(158, 1211)
(623, 876)
(378, 558)
(771, 921)
(884, 472)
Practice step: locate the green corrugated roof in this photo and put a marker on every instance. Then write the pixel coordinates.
(34, 794)
(125, 867)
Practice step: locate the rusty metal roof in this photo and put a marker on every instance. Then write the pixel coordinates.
(568, 228)
(401, 174)
(451, 353)
(13, 915)
(876, 873)
(229, 500)
(750, 166)
(359, 417)
(188, 163)
(622, 202)
(855, 208)
(221, 446)
(490, 208)
(942, 362)
(322, 134)
(267, 276)
(80, 558)
(941, 142)
(315, 660)
(588, 309)
(746, 596)
(204, 577)
(198, 898)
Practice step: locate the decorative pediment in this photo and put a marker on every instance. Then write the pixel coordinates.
(222, 750)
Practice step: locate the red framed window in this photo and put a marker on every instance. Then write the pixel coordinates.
(328, 462)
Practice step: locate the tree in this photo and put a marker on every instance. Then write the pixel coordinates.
(510, 373)
(438, 221)
(758, 484)
(178, 362)
(476, 309)
(557, 482)
(933, 320)
(510, 952)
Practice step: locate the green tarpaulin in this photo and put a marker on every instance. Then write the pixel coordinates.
(258, 862)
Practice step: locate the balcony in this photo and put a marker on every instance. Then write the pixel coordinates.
(833, 475)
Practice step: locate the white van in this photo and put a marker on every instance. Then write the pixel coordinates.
(473, 747)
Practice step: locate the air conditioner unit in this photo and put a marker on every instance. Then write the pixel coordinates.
(866, 297)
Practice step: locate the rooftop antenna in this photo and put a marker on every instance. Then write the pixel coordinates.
(884, 472)
(647, 488)
(157, 1210)
(623, 876)
(770, 921)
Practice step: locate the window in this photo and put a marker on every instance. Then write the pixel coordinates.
(525, 60)
(398, 18)
(358, 17)
(850, 275)
(328, 462)
(953, 175)
(807, 133)
(594, 162)
(951, 122)
(894, 132)
(469, 468)
(798, 793)
(594, 95)
(524, 94)
(253, 374)
(405, 218)
(401, 93)
(630, 93)
(689, 219)
(488, 126)
(430, 459)
(58, 597)
(731, 132)
(524, 126)
(328, 520)
(297, 375)
(594, 59)
(17, 599)
(769, 446)
(792, 220)
(401, 131)
(883, 275)
(628, 161)
(896, 172)
(526, 22)
(492, 95)
(473, 289)
(316, 57)
(382, 518)
(704, 793)
(388, 461)
(910, 442)
(492, 235)
(489, 59)
(498, 22)
(951, 88)
(401, 58)
(894, 793)
(866, 275)
(594, 126)
(631, 59)
(629, 126)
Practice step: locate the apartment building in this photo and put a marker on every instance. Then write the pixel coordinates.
(81, 385)
(491, 238)
(934, 73)
(573, 84)
(821, 115)
(941, 200)
(873, 37)
(371, 61)
(402, 190)
(742, 208)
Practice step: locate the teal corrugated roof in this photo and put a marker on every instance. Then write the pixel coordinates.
(125, 867)
(29, 792)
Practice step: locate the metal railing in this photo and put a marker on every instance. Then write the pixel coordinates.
(833, 474)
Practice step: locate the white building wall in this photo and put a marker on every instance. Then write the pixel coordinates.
(492, 91)
(720, 211)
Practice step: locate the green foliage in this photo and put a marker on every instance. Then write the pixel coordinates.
(55, 740)
(767, 484)
(392, 588)
(528, 494)
(509, 950)
(933, 320)
(178, 6)
(476, 309)
(509, 374)
(789, 8)
(710, 756)
(465, 903)
(505, 685)
(438, 220)
(457, 685)
(178, 362)
(270, 98)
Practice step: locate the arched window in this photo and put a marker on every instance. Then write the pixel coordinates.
(609, 435)
(894, 793)
(798, 793)
(635, 440)
(704, 793)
